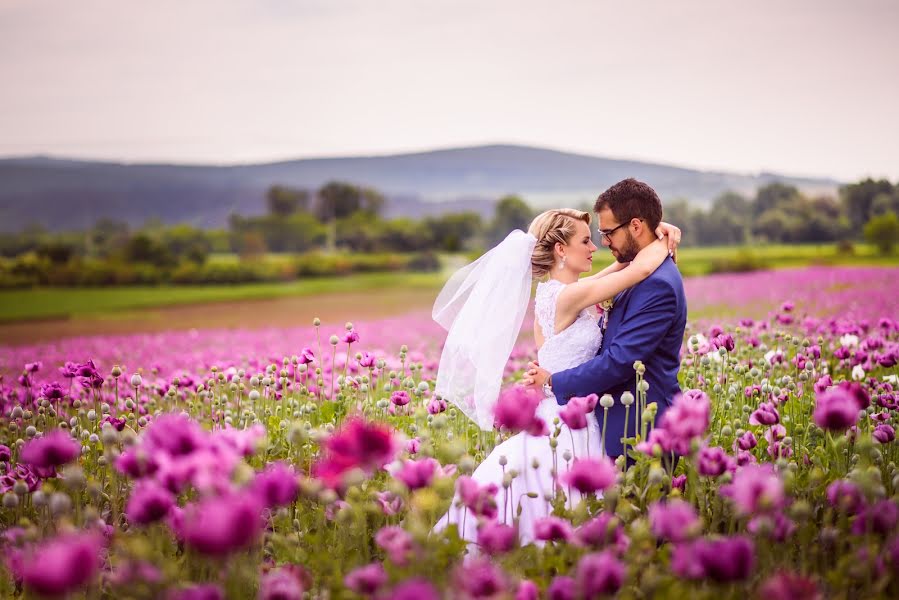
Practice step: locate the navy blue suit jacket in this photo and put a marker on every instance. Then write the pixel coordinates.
(646, 323)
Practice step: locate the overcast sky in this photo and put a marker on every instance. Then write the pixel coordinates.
(805, 87)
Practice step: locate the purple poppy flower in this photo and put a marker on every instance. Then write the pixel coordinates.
(880, 517)
(836, 409)
(350, 337)
(588, 475)
(366, 580)
(824, 382)
(61, 565)
(136, 462)
(884, 433)
(765, 414)
(747, 441)
(527, 590)
(686, 419)
(480, 578)
(53, 449)
(845, 495)
(205, 591)
(436, 406)
(574, 414)
(368, 360)
(674, 520)
(414, 589)
(389, 502)
(5, 453)
(600, 575)
(552, 529)
(657, 437)
(714, 461)
(218, 526)
(481, 500)
(396, 542)
(724, 340)
(790, 586)
(400, 398)
(52, 391)
(361, 444)
(727, 559)
(497, 538)
(515, 409)
(306, 356)
(284, 583)
(679, 482)
(277, 485)
(149, 502)
(562, 588)
(776, 526)
(755, 489)
(603, 531)
(857, 391)
(417, 474)
(174, 434)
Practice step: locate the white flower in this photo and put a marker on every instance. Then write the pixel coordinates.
(849, 340)
(858, 373)
(894, 379)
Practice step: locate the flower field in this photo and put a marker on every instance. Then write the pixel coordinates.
(314, 462)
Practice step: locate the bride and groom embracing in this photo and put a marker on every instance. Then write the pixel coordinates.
(589, 330)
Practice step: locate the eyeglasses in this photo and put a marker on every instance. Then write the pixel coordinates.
(607, 233)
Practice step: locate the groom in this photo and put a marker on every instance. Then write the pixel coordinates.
(645, 323)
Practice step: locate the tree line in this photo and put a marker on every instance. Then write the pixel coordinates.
(343, 217)
(780, 213)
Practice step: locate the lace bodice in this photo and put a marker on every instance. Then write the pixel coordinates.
(574, 345)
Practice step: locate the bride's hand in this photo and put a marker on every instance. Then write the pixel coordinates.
(672, 232)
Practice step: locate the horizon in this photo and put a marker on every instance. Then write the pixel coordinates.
(799, 88)
(165, 163)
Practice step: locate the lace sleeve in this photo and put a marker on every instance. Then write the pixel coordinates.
(545, 306)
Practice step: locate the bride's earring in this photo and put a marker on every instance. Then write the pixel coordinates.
(562, 266)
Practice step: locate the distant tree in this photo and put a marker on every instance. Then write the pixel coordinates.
(773, 195)
(284, 201)
(251, 246)
(338, 200)
(858, 199)
(511, 213)
(727, 221)
(107, 237)
(823, 220)
(679, 212)
(143, 248)
(372, 201)
(776, 225)
(405, 235)
(884, 203)
(187, 241)
(450, 232)
(56, 251)
(883, 232)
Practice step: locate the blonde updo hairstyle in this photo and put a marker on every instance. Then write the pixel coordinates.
(552, 227)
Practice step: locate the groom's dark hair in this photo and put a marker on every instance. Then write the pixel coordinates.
(629, 199)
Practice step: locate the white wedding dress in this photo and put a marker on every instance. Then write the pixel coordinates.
(561, 350)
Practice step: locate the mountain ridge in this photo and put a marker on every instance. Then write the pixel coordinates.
(68, 193)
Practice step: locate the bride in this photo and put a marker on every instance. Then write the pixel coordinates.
(482, 306)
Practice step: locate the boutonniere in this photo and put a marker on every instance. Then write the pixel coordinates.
(605, 307)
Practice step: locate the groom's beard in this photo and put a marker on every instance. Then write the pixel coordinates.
(628, 251)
